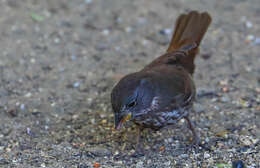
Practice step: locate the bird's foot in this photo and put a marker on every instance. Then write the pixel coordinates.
(139, 152)
(195, 143)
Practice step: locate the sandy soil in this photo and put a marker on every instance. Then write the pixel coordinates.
(60, 59)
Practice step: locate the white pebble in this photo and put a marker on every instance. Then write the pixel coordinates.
(139, 164)
(28, 130)
(57, 40)
(206, 155)
(106, 32)
(116, 152)
(216, 107)
(76, 84)
(46, 127)
(250, 37)
(88, 1)
(22, 106)
(28, 94)
(170, 140)
(249, 24)
(257, 41)
(167, 31)
(93, 121)
(32, 60)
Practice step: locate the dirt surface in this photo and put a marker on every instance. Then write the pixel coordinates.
(60, 59)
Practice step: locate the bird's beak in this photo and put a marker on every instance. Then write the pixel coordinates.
(119, 120)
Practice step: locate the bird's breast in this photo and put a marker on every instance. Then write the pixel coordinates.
(160, 118)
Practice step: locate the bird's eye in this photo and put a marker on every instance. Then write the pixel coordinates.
(132, 104)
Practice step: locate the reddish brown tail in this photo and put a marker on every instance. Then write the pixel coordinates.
(190, 28)
(189, 31)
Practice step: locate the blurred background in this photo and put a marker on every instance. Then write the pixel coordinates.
(60, 59)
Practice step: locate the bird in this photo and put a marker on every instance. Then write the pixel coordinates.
(163, 92)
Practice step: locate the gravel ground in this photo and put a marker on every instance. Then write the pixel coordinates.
(60, 59)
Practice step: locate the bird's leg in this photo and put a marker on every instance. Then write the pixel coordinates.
(195, 139)
(139, 148)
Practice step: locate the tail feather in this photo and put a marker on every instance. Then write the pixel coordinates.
(190, 28)
(189, 31)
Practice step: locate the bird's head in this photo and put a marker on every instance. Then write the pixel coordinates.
(130, 96)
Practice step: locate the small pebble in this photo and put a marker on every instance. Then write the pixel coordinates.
(32, 60)
(243, 19)
(105, 32)
(183, 156)
(28, 130)
(56, 40)
(96, 165)
(103, 121)
(225, 89)
(223, 82)
(29, 94)
(168, 163)
(118, 19)
(103, 115)
(144, 42)
(224, 99)
(222, 133)
(257, 41)
(117, 48)
(142, 20)
(74, 117)
(43, 165)
(46, 127)
(99, 151)
(206, 155)
(88, 1)
(76, 84)
(116, 152)
(93, 121)
(8, 149)
(128, 29)
(170, 140)
(249, 24)
(166, 31)
(73, 57)
(250, 38)
(140, 164)
(162, 148)
(22, 106)
(246, 140)
(217, 108)
(244, 103)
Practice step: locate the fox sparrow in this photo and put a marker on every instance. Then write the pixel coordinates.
(163, 92)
